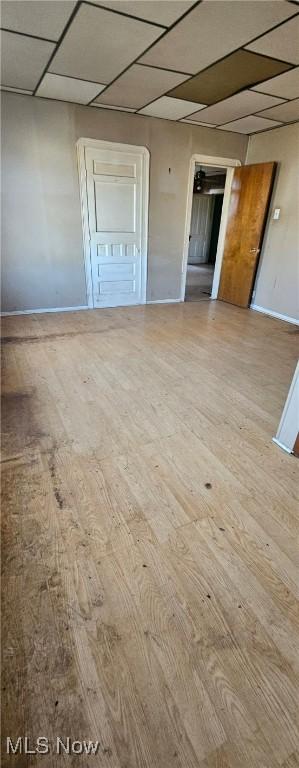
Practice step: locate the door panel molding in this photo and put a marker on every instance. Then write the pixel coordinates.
(128, 149)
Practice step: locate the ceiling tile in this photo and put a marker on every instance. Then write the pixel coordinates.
(170, 109)
(164, 12)
(281, 42)
(285, 112)
(23, 60)
(99, 44)
(285, 85)
(44, 18)
(241, 104)
(212, 30)
(249, 124)
(68, 89)
(239, 70)
(140, 85)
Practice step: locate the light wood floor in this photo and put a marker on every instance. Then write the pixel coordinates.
(150, 537)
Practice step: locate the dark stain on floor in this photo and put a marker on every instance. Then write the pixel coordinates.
(54, 336)
(20, 429)
(54, 477)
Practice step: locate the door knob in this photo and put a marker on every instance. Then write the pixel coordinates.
(254, 250)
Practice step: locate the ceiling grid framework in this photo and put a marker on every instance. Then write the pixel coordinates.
(226, 64)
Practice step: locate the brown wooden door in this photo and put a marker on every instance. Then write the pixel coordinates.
(248, 208)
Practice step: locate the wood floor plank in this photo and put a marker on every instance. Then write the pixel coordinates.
(256, 594)
(268, 690)
(150, 537)
(292, 761)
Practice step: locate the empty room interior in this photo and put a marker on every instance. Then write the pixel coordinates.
(150, 384)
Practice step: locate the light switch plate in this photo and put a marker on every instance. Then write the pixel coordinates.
(276, 214)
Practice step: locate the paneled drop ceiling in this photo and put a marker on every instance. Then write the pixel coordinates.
(228, 64)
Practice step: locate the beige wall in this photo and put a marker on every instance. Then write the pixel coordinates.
(42, 238)
(278, 275)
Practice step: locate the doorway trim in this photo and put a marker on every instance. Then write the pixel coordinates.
(82, 143)
(228, 164)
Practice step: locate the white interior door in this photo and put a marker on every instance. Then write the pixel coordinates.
(116, 202)
(200, 229)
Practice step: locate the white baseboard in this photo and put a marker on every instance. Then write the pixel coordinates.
(75, 309)
(42, 311)
(277, 315)
(165, 301)
(281, 445)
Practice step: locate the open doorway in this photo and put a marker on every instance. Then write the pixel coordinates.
(207, 201)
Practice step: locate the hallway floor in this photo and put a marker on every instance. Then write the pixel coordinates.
(150, 537)
(199, 281)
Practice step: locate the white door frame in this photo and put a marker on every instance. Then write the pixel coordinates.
(289, 423)
(128, 148)
(228, 164)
